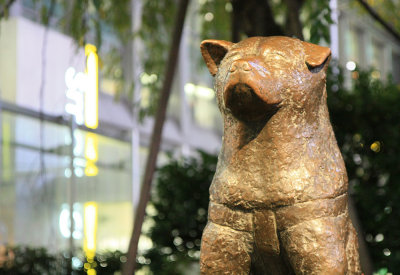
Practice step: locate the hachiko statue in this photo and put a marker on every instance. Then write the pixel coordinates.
(278, 201)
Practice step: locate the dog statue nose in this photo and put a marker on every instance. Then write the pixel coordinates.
(241, 65)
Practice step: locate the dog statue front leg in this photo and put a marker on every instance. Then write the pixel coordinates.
(225, 250)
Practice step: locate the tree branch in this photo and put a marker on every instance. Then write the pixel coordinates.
(5, 8)
(379, 19)
(129, 267)
(253, 18)
(294, 27)
(236, 20)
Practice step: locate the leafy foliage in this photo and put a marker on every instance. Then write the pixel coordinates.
(87, 21)
(25, 260)
(317, 20)
(215, 18)
(366, 123)
(38, 261)
(387, 9)
(216, 22)
(180, 202)
(155, 33)
(104, 23)
(315, 17)
(104, 263)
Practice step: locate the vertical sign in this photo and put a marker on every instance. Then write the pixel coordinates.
(91, 155)
(6, 153)
(92, 87)
(90, 231)
(82, 92)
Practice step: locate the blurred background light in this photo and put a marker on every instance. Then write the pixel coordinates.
(92, 88)
(351, 65)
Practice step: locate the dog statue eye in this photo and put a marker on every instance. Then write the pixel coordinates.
(316, 57)
(318, 68)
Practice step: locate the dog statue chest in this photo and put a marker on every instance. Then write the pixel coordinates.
(263, 177)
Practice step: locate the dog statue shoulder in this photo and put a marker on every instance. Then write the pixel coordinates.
(278, 200)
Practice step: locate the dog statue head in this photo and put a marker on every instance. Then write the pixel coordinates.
(257, 76)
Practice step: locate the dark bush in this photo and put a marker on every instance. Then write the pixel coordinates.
(38, 261)
(180, 202)
(366, 121)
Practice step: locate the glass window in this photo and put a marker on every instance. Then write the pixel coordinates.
(396, 67)
(377, 56)
(36, 183)
(355, 46)
(174, 104)
(203, 106)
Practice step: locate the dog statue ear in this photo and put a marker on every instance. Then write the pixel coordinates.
(213, 52)
(316, 56)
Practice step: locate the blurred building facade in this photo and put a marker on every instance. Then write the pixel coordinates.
(51, 167)
(40, 87)
(357, 40)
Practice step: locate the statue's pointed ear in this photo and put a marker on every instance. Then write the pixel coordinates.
(213, 52)
(317, 57)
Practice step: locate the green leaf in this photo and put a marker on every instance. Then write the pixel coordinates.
(44, 14)
(97, 4)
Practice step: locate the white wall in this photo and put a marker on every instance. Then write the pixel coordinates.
(369, 33)
(59, 53)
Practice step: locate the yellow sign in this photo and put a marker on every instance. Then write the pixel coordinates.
(92, 87)
(90, 231)
(6, 129)
(91, 155)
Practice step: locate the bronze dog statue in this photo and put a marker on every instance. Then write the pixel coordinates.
(278, 201)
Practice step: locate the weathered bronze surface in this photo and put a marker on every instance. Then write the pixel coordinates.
(278, 201)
